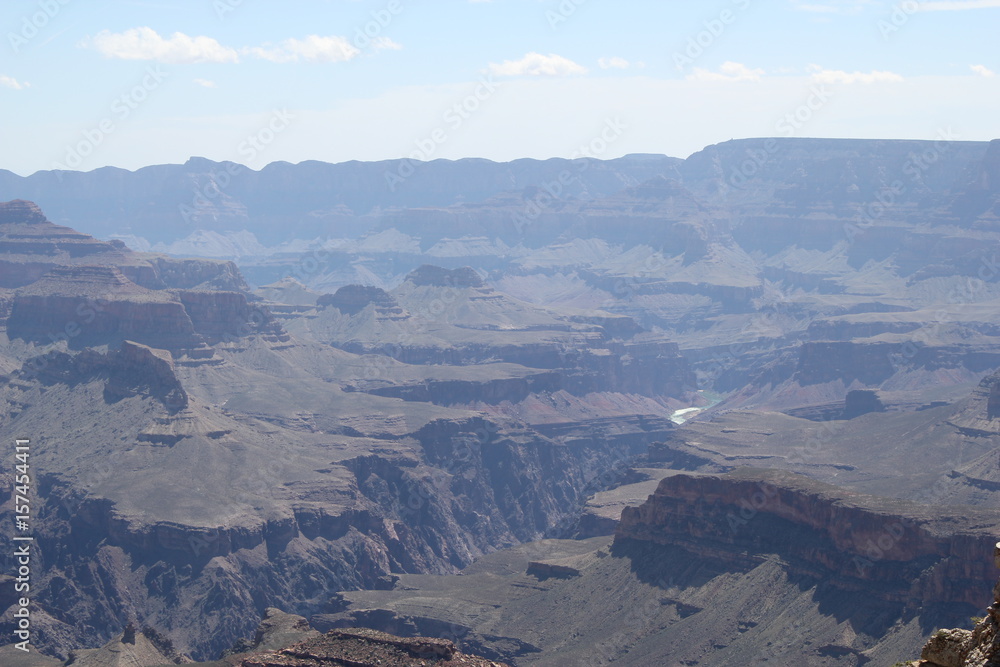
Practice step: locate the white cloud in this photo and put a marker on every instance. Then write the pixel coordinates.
(314, 48)
(205, 83)
(11, 82)
(536, 64)
(821, 75)
(982, 70)
(385, 44)
(613, 63)
(145, 44)
(728, 71)
(959, 5)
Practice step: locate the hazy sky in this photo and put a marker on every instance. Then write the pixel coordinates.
(86, 84)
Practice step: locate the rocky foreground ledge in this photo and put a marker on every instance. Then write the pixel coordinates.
(979, 647)
(364, 648)
(281, 640)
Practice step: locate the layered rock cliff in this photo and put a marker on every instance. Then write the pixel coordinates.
(897, 551)
(31, 246)
(90, 304)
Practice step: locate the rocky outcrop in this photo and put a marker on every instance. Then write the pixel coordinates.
(21, 212)
(545, 570)
(369, 648)
(133, 369)
(138, 369)
(860, 402)
(132, 648)
(352, 299)
(896, 551)
(439, 277)
(276, 631)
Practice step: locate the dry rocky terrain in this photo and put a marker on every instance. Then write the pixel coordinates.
(754, 406)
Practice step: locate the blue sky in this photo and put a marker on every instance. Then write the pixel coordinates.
(104, 82)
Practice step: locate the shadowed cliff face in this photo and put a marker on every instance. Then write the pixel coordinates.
(897, 551)
(133, 369)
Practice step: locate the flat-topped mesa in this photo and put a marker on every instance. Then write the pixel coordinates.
(93, 304)
(87, 305)
(436, 276)
(352, 299)
(918, 555)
